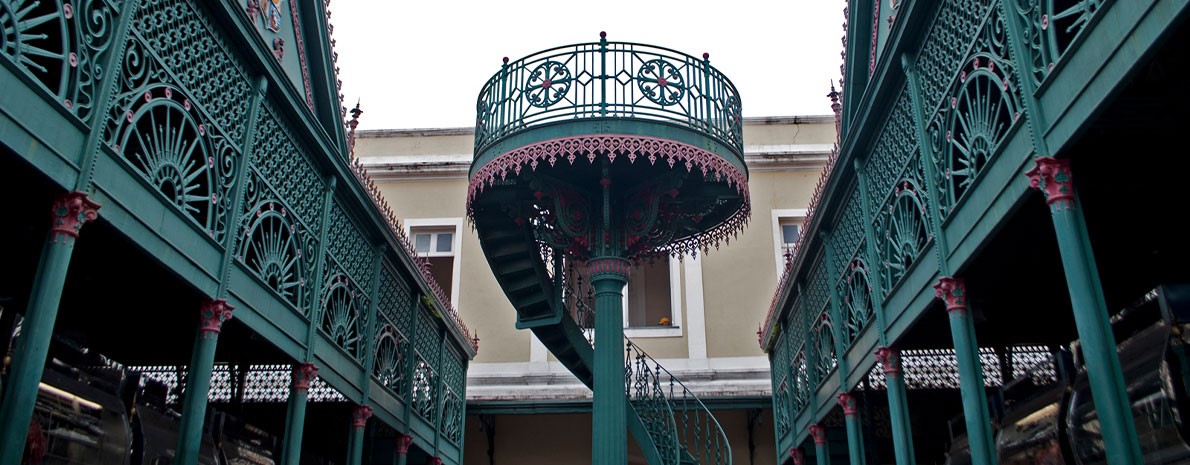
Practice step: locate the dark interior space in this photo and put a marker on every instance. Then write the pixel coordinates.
(1129, 168)
(123, 304)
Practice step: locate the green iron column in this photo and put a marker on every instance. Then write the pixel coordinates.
(953, 291)
(198, 380)
(821, 451)
(295, 415)
(798, 455)
(403, 443)
(70, 212)
(898, 407)
(609, 416)
(1108, 391)
(359, 422)
(855, 435)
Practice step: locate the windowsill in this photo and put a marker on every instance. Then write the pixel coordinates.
(654, 331)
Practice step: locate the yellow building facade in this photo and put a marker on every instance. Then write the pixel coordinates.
(696, 315)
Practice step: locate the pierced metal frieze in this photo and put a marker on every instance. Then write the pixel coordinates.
(60, 45)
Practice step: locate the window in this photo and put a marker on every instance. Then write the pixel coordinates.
(648, 296)
(652, 299)
(787, 228)
(790, 230)
(438, 241)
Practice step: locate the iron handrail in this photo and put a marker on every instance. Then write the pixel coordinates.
(617, 80)
(697, 435)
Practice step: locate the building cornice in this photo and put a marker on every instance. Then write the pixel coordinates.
(726, 377)
(467, 131)
(455, 166)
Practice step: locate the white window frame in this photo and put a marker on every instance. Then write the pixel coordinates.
(778, 240)
(456, 246)
(675, 305)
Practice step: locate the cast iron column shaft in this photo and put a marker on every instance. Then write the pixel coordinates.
(295, 415)
(198, 380)
(403, 443)
(70, 212)
(971, 385)
(1098, 342)
(359, 422)
(855, 435)
(898, 407)
(821, 449)
(609, 413)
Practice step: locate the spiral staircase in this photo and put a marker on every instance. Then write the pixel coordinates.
(589, 157)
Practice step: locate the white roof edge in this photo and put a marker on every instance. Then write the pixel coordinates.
(464, 131)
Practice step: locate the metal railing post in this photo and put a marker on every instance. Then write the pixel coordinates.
(603, 74)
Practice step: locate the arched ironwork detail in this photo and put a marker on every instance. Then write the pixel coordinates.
(389, 363)
(856, 294)
(164, 140)
(905, 231)
(976, 122)
(58, 45)
(801, 383)
(824, 345)
(341, 319)
(273, 252)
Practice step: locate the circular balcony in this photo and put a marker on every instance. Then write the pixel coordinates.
(608, 87)
(567, 122)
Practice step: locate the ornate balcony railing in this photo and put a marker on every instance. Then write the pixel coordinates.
(683, 429)
(614, 80)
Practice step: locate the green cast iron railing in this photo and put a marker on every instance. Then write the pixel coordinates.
(604, 79)
(683, 429)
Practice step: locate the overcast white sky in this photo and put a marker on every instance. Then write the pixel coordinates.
(421, 64)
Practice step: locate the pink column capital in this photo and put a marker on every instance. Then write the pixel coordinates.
(213, 314)
(303, 375)
(71, 210)
(952, 291)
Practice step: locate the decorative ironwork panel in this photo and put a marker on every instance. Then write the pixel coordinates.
(817, 290)
(848, 235)
(938, 369)
(321, 391)
(902, 228)
(1050, 28)
(967, 129)
(855, 293)
(425, 340)
(801, 383)
(61, 45)
(611, 79)
(276, 246)
(783, 374)
(285, 165)
(424, 396)
(796, 324)
(261, 383)
(1036, 362)
(783, 405)
(344, 312)
(389, 364)
(395, 304)
(823, 339)
(895, 146)
(346, 242)
(946, 44)
(186, 40)
(167, 139)
(454, 383)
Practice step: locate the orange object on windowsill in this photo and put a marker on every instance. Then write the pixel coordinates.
(663, 322)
